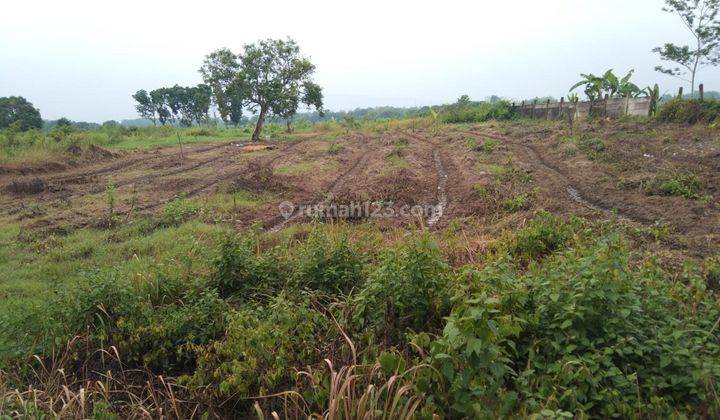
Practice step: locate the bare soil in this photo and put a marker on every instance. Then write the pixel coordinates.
(522, 168)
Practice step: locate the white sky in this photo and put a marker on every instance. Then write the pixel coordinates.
(83, 59)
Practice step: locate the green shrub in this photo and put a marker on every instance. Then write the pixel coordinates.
(582, 333)
(542, 236)
(712, 273)
(689, 111)
(242, 271)
(592, 146)
(163, 338)
(407, 290)
(201, 132)
(477, 112)
(680, 185)
(487, 146)
(517, 203)
(178, 211)
(328, 264)
(262, 348)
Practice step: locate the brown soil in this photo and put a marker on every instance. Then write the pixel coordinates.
(531, 167)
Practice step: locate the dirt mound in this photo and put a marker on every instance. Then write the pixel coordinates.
(98, 153)
(402, 186)
(33, 186)
(257, 178)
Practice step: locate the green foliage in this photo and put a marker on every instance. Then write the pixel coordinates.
(679, 184)
(335, 148)
(689, 111)
(261, 347)
(17, 109)
(592, 146)
(595, 87)
(544, 235)
(407, 290)
(178, 210)
(487, 146)
(327, 263)
(582, 333)
(182, 104)
(517, 203)
(269, 78)
(701, 19)
(242, 271)
(462, 112)
(163, 337)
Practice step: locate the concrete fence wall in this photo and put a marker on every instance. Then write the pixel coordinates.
(612, 108)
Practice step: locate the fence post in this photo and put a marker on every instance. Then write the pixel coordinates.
(680, 92)
(605, 105)
(702, 92)
(533, 108)
(560, 111)
(547, 110)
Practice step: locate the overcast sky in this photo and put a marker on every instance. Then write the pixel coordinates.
(83, 59)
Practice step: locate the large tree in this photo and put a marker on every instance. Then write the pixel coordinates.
(274, 78)
(700, 17)
(219, 71)
(270, 78)
(16, 109)
(144, 106)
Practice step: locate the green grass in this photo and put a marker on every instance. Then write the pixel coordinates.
(679, 185)
(38, 146)
(29, 266)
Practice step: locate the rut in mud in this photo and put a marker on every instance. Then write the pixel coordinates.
(553, 178)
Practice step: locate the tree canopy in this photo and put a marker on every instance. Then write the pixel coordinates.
(17, 110)
(269, 78)
(184, 105)
(700, 17)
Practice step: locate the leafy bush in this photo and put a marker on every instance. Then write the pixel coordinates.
(328, 264)
(517, 203)
(261, 347)
(477, 112)
(542, 236)
(162, 337)
(177, 211)
(593, 146)
(582, 333)
(690, 111)
(201, 132)
(242, 271)
(407, 290)
(680, 185)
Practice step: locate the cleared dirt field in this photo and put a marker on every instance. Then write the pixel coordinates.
(486, 177)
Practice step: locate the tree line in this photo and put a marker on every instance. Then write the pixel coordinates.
(184, 105)
(270, 78)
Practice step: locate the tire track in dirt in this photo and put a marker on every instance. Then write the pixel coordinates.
(215, 181)
(442, 176)
(126, 164)
(141, 179)
(333, 187)
(531, 157)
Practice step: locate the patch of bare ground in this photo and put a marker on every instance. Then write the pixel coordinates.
(604, 167)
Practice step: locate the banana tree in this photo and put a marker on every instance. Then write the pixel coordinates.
(627, 89)
(597, 86)
(593, 86)
(654, 94)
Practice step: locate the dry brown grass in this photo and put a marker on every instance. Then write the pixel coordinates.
(63, 388)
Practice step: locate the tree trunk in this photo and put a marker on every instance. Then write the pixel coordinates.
(259, 125)
(289, 127)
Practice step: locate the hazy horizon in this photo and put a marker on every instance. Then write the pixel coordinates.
(83, 61)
